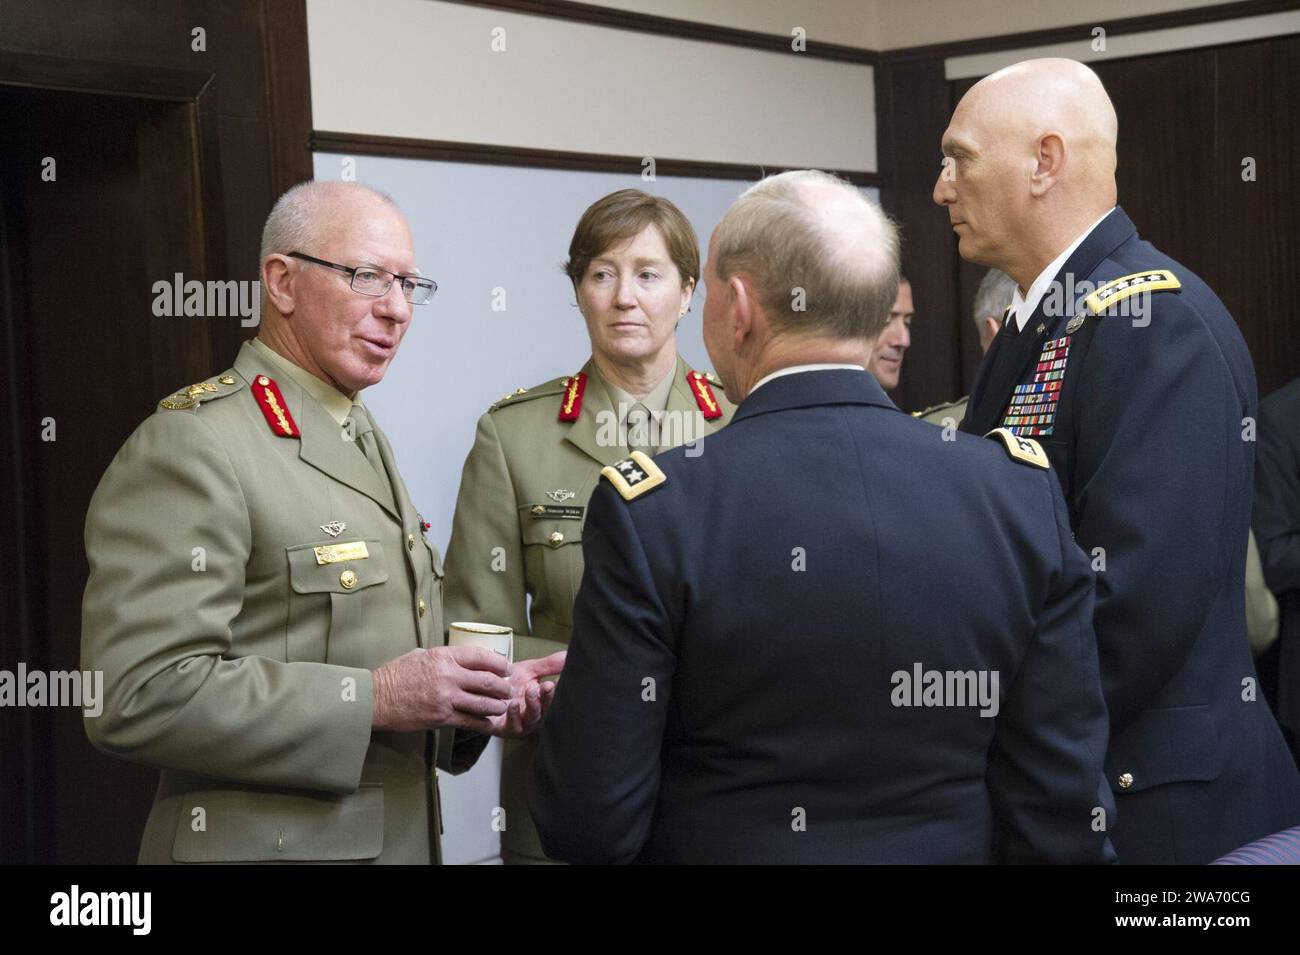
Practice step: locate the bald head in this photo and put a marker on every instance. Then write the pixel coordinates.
(1029, 163)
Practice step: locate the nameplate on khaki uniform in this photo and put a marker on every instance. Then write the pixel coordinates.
(571, 512)
(634, 476)
(338, 553)
(1024, 450)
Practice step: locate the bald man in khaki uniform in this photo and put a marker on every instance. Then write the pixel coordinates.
(262, 600)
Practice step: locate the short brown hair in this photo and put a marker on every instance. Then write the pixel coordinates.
(622, 215)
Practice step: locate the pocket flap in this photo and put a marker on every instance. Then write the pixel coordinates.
(255, 825)
(308, 576)
(1174, 744)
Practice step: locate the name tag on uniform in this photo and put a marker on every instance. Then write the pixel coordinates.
(337, 553)
(571, 512)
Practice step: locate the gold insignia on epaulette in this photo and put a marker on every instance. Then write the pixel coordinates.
(1152, 280)
(200, 388)
(227, 379)
(178, 402)
(1024, 450)
(634, 476)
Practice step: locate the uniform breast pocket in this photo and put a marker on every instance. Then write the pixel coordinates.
(336, 589)
(553, 562)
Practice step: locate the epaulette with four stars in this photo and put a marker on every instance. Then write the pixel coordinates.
(1116, 290)
(192, 396)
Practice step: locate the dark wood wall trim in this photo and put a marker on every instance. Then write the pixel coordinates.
(288, 91)
(754, 40)
(1082, 30)
(403, 148)
(594, 15)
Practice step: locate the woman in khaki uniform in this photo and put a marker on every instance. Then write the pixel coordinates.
(634, 262)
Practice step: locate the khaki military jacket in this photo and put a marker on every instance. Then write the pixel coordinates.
(517, 532)
(244, 581)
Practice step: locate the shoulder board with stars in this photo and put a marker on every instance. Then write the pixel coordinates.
(199, 392)
(1025, 450)
(521, 395)
(274, 409)
(633, 476)
(704, 396)
(1152, 280)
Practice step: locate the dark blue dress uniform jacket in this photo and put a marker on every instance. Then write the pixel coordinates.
(1277, 528)
(1152, 439)
(771, 735)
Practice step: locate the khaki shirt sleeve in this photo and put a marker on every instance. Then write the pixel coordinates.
(485, 580)
(157, 620)
(1261, 605)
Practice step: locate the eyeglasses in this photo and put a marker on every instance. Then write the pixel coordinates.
(374, 281)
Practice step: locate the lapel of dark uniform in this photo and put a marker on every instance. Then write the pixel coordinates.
(1009, 366)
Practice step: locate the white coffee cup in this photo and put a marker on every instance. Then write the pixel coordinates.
(500, 640)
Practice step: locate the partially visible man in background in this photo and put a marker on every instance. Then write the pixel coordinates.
(886, 353)
(989, 310)
(1277, 522)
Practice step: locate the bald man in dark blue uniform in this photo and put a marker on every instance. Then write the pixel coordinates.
(827, 635)
(1132, 375)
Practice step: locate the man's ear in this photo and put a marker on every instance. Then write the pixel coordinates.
(741, 309)
(1049, 164)
(989, 330)
(277, 283)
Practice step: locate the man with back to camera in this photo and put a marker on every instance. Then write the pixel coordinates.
(744, 682)
(1135, 379)
(262, 599)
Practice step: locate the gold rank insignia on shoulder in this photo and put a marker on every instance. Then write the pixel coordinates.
(633, 476)
(1024, 450)
(192, 396)
(1153, 280)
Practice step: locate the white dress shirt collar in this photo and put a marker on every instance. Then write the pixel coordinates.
(798, 369)
(1023, 306)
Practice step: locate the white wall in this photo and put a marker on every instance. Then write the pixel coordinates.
(428, 70)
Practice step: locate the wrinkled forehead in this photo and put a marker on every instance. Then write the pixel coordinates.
(364, 230)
